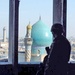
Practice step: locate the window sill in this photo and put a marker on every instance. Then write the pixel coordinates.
(27, 63)
(5, 63)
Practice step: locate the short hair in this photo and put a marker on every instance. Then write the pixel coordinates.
(57, 28)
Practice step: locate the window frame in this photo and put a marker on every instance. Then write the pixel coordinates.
(58, 6)
(60, 12)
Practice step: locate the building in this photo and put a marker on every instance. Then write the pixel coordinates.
(42, 37)
(28, 43)
(38, 36)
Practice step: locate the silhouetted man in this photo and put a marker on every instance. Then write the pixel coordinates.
(60, 53)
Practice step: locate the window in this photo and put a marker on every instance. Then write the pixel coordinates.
(70, 28)
(18, 42)
(34, 19)
(4, 30)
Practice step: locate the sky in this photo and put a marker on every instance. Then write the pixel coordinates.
(30, 10)
(70, 18)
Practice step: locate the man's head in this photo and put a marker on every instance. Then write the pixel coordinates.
(57, 29)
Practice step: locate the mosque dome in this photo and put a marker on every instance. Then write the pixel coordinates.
(41, 34)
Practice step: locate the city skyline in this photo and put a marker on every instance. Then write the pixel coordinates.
(30, 10)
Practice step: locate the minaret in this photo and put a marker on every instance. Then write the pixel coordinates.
(39, 17)
(4, 34)
(28, 43)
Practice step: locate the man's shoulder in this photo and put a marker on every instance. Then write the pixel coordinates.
(61, 40)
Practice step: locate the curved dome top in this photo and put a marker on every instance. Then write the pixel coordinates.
(41, 34)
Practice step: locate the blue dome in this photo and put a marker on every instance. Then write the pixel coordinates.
(41, 34)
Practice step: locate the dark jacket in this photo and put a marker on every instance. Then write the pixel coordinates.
(58, 58)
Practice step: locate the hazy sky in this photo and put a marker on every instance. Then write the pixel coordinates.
(71, 18)
(30, 10)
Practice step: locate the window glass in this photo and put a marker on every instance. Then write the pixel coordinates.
(4, 22)
(35, 21)
(70, 27)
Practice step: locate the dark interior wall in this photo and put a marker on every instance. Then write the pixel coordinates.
(32, 69)
(71, 69)
(23, 69)
(29, 69)
(6, 70)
